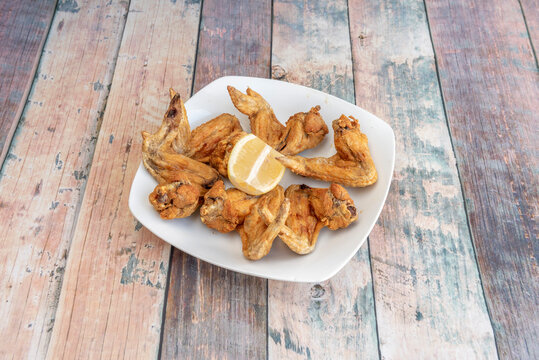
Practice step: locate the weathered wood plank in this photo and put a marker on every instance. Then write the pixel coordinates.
(23, 29)
(490, 83)
(530, 10)
(429, 300)
(44, 174)
(113, 292)
(334, 319)
(212, 312)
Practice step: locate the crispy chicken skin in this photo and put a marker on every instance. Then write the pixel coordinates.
(333, 206)
(161, 151)
(177, 124)
(257, 236)
(175, 200)
(232, 209)
(310, 210)
(302, 225)
(352, 165)
(220, 156)
(182, 180)
(264, 124)
(303, 130)
(223, 210)
(205, 138)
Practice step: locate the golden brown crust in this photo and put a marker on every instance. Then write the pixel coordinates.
(310, 210)
(256, 235)
(352, 165)
(264, 124)
(163, 152)
(182, 180)
(226, 210)
(205, 138)
(223, 210)
(303, 130)
(175, 200)
(220, 156)
(333, 206)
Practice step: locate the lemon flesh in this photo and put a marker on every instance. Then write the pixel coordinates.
(252, 166)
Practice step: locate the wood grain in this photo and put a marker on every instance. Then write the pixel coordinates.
(23, 29)
(112, 296)
(490, 83)
(334, 319)
(212, 312)
(530, 10)
(429, 300)
(43, 177)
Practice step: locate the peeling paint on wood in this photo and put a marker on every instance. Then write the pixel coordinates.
(23, 29)
(34, 251)
(429, 300)
(489, 76)
(335, 319)
(212, 312)
(113, 291)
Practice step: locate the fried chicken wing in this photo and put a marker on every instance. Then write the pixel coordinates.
(303, 130)
(226, 210)
(310, 210)
(161, 152)
(174, 132)
(223, 210)
(264, 124)
(257, 236)
(333, 206)
(220, 156)
(167, 167)
(352, 165)
(205, 138)
(302, 225)
(175, 200)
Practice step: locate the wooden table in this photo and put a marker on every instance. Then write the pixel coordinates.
(449, 271)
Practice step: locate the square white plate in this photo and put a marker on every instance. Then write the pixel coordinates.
(334, 248)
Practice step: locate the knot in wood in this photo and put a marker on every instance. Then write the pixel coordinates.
(278, 72)
(317, 291)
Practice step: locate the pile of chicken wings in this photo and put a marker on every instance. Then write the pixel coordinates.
(189, 164)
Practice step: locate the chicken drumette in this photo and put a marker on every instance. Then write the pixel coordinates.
(352, 165)
(176, 200)
(303, 130)
(223, 210)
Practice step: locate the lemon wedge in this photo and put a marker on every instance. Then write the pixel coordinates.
(252, 166)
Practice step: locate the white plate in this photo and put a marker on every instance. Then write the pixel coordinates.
(334, 248)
